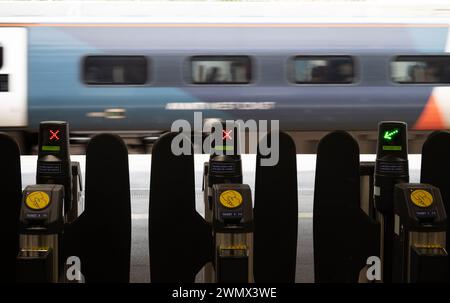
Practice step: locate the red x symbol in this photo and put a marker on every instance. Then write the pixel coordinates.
(226, 135)
(54, 134)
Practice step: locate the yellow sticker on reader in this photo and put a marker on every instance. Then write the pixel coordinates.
(421, 198)
(230, 198)
(37, 200)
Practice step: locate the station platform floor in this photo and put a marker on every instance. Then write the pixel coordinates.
(140, 184)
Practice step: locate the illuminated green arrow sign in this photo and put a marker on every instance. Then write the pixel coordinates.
(388, 135)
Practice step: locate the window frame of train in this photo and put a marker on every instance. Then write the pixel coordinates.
(144, 78)
(419, 58)
(292, 69)
(250, 72)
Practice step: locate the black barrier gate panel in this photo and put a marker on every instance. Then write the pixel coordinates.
(276, 215)
(11, 192)
(180, 240)
(344, 236)
(103, 231)
(435, 168)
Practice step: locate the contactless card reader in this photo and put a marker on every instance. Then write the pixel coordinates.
(233, 232)
(420, 234)
(41, 226)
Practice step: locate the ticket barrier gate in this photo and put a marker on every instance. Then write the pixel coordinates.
(391, 168)
(435, 167)
(233, 233)
(41, 229)
(102, 234)
(48, 207)
(408, 239)
(344, 235)
(224, 237)
(11, 188)
(55, 167)
(420, 235)
(412, 216)
(224, 168)
(50, 233)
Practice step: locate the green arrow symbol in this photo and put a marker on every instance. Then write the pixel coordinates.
(389, 134)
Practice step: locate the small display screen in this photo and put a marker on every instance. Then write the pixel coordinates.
(49, 168)
(223, 147)
(52, 139)
(392, 148)
(392, 139)
(229, 141)
(51, 148)
(223, 167)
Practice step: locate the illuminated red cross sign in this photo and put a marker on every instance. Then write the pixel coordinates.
(226, 134)
(54, 134)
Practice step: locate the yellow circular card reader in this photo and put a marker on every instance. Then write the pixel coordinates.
(230, 198)
(421, 198)
(37, 200)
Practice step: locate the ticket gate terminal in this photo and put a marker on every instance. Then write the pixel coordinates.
(233, 233)
(420, 234)
(224, 169)
(41, 226)
(391, 168)
(55, 201)
(224, 166)
(229, 241)
(54, 165)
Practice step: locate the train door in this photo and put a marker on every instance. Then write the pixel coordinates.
(13, 77)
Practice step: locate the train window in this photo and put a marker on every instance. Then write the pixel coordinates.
(324, 69)
(421, 69)
(115, 70)
(221, 70)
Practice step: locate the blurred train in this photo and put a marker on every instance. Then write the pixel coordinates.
(135, 78)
